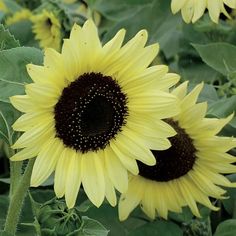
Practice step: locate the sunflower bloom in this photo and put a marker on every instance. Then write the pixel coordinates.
(188, 172)
(192, 10)
(47, 30)
(18, 16)
(91, 110)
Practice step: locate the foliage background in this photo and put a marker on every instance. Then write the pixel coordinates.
(200, 52)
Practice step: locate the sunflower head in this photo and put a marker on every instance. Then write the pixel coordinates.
(92, 110)
(193, 10)
(18, 16)
(190, 171)
(47, 30)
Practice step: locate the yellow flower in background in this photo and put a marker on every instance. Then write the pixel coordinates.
(190, 171)
(3, 7)
(92, 111)
(192, 10)
(47, 30)
(18, 16)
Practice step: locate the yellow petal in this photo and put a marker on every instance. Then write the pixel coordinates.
(176, 5)
(214, 8)
(131, 198)
(188, 11)
(93, 177)
(199, 8)
(116, 171)
(110, 191)
(30, 120)
(46, 162)
(36, 134)
(191, 99)
(128, 162)
(61, 171)
(26, 153)
(22, 103)
(148, 200)
(73, 179)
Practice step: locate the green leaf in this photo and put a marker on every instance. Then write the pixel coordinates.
(208, 93)
(158, 227)
(184, 216)
(42, 196)
(230, 203)
(5, 180)
(4, 201)
(108, 216)
(196, 71)
(8, 115)
(22, 30)
(2, 233)
(84, 206)
(13, 74)
(90, 227)
(226, 228)
(222, 108)
(13, 77)
(118, 9)
(157, 19)
(224, 62)
(7, 40)
(12, 6)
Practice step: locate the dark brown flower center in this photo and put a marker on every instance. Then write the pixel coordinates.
(90, 112)
(49, 22)
(174, 162)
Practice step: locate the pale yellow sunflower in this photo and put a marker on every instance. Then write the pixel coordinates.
(190, 171)
(18, 16)
(192, 10)
(92, 111)
(47, 30)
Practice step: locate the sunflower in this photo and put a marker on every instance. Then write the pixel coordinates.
(92, 110)
(190, 171)
(192, 10)
(47, 30)
(21, 15)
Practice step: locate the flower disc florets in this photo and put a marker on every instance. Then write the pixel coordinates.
(90, 112)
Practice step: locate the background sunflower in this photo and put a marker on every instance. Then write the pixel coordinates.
(193, 10)
(190, 171)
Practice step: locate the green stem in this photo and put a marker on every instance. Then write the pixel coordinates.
(15, 175)
(15, 169)
(209, 226)
(17, 199)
